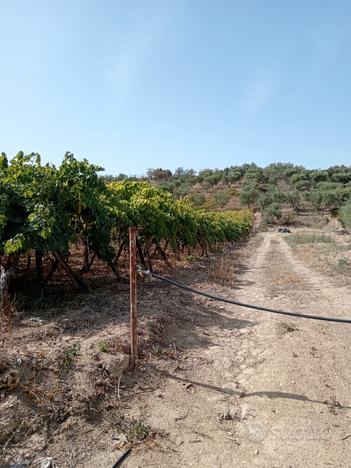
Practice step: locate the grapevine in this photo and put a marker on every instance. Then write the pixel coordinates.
(46, 210)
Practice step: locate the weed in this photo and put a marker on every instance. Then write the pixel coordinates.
(190, 258)
(222, 270)
(69, 354)
(138, 431)
(344, 262)
(345, 214)
(104, 346)
(344, 266)
(343, 247)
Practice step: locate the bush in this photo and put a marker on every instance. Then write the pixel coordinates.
(345, 214)
(197, 199)
(249, 194)
(222, 198)
(272, 213)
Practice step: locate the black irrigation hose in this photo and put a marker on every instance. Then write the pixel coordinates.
(122, 458)
(243, 304)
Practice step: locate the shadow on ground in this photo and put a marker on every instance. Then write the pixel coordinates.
(262, 393)
(107, 306)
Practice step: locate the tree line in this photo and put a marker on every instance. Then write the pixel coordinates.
(268, 188)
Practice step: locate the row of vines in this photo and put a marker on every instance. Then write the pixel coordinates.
(46, 210)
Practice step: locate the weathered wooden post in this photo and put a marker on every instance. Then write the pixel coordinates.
(133, 296)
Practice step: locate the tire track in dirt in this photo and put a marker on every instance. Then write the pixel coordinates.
(201, 403)
(305, 366)
(266, 391)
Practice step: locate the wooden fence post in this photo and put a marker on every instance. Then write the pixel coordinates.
(133, 295)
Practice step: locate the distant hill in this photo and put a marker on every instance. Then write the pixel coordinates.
(280, 190)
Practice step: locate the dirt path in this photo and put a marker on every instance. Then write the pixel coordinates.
(265, 391)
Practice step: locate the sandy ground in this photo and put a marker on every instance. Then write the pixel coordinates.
(264, 391)
(217, 386)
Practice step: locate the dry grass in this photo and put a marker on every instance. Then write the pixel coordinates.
(285, 277)
(311, 238)
(8, 313)
(327, 253)
(222, 270)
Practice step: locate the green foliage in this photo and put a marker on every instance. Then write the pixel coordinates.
(341, 177)
(159, 174)
(70, 354)
(293, 197)
(270, 188)
(197, 199)
(328, 199)
(104, 346)
(272, 196)
(181, 191)
(294, 182)
(138, 431)
(46, 209)
(249, 193)
(272, 213)
(161, 218)
(190, 258)
(212, 179)
(210, 203)
(222, 198)
(345, 214)
(205, 184)
(344, 266)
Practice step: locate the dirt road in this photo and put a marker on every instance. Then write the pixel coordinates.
(265, 391)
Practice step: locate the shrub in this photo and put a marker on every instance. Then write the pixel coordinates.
(272, 213)
(345, 214)
(222, 198)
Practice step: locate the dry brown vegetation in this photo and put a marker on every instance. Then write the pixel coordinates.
(325, 251)
(222, 270)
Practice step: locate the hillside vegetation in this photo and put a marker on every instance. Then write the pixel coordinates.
(279, 190)
(48, 213)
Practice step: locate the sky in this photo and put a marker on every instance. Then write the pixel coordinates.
(132, 85)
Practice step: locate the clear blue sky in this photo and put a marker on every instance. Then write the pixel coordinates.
(193, 83)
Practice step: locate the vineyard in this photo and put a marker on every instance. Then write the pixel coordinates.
(46, 212)
(64, 355)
